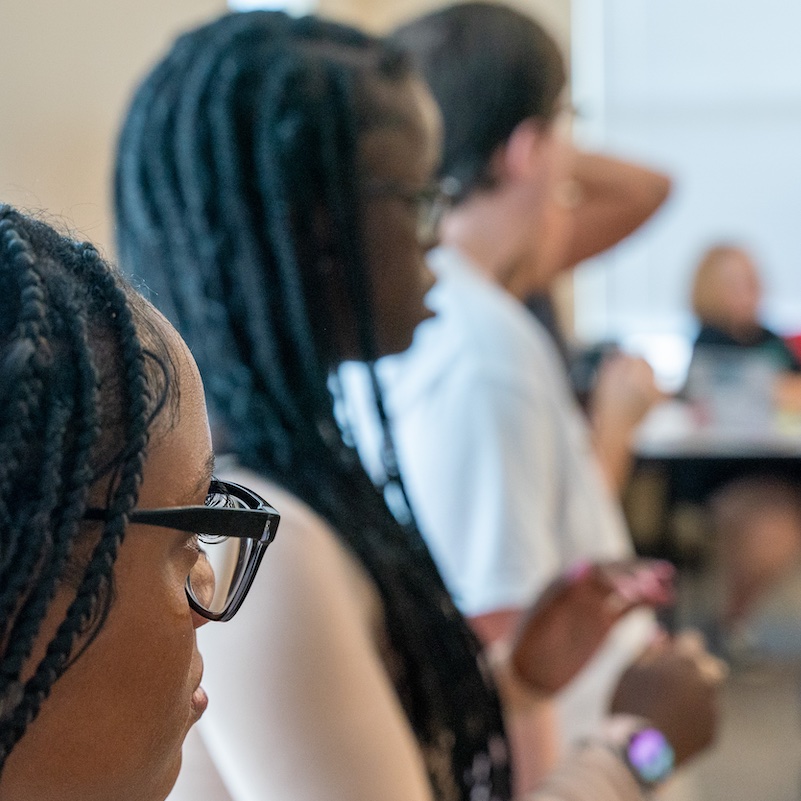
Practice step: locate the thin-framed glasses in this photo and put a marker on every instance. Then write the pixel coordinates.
(233, 529)
(430, 203)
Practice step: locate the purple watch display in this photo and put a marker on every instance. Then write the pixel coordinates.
(650, 756)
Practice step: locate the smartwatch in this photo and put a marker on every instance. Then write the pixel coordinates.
(642, 747)
(649, 756)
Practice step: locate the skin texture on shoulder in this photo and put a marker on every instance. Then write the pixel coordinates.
(302, 699)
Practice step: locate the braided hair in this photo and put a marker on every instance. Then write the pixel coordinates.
(67, 424)
(237, 187)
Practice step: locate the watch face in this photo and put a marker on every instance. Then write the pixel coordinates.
(650, 756)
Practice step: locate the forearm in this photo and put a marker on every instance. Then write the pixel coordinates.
(531, 723)
(590, 773)
(625, 391)
(601, 175)
(613, 450)
(597, 770)
(535, 745)
(609, 199)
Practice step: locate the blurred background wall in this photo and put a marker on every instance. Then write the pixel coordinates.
(383, 15)
(68, 69)
(66, 72)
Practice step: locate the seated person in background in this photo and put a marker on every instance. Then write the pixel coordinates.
(794, 343)
(756, 518)
(757, 527)
(726, 299)
(103, 579)
(491, 446)
(274, 190)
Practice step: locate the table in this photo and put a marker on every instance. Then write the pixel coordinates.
(680, 463)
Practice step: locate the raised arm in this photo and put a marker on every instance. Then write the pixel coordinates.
(605, 200)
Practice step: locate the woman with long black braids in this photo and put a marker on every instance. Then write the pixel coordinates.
(105, 462)
(273, 190)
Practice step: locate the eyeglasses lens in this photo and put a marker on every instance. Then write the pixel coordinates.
(429, 213)
(431, 207)
(432, 204)
(222, 564)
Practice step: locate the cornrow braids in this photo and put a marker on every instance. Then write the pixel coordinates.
(237, 196)
(71, 417)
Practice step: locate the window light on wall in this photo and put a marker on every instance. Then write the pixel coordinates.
(296, 7)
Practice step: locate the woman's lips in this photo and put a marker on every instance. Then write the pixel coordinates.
(199, 701)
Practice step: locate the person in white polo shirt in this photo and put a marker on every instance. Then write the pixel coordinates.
(503, 473)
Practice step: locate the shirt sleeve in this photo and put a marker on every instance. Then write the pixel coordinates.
(301, 704)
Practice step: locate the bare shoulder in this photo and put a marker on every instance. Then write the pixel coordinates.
(308, 558)
(302, 704)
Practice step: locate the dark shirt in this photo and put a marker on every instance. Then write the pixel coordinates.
(762, 341)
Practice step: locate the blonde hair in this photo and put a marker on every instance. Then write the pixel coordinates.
(707, 295)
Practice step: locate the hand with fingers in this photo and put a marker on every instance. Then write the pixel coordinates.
(571, 619)
(625, 391)
(675, 685)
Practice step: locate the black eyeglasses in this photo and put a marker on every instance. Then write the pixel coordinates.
(430, 203)
(233, 529)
